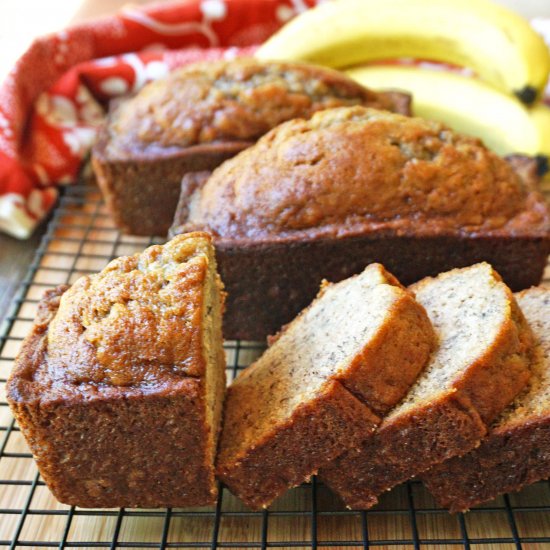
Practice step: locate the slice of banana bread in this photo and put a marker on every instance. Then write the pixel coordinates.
(479, 366)
(517, 450)
(118, 389)
(323, 385)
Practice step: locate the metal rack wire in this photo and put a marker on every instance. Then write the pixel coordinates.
(81, 239)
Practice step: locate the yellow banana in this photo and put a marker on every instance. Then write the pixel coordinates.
(467, 105)
(499, 45)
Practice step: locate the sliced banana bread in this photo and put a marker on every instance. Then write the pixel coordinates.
(516, 451)
(323, 385)
(118, 389)
(479, 366)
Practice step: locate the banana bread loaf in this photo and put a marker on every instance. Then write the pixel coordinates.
(118, 388)
(199, 116)
(322, 198)
(481, 363)
(516, 451)
(322, 386)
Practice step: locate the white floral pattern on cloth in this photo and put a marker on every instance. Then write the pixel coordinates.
(19, 215)
(52, 103)
(212, 10)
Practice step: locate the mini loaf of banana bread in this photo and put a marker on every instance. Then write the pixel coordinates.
(516, 451)
(322, 198)
(201, 115)
(118, 389)
(481, 363)
(323, 385)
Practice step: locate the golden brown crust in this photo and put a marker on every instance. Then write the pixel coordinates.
(238, 100)
(305, 180)
(136, 322)
(200, 116)
(139, 317)
(107, 425)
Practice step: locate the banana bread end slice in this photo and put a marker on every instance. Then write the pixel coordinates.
(118, 388)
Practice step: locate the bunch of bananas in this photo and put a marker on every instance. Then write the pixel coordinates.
(501, 105)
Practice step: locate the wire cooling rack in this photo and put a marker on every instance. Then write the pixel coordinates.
(80, 239)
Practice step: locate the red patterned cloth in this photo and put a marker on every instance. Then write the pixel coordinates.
(52, 102)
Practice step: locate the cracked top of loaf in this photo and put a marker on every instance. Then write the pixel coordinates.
(353, 169)
(136, 324)
(238, 100)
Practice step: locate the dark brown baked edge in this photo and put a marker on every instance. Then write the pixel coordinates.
(399, 449)
(317, 433)
(124, 449)
(269, 283)
(142, 193)
(506, 461)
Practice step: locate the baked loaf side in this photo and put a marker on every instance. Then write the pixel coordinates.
(322, 385)
(479, 366)
(199, 116)
(516, 451)
(301, 205)
(118, 389)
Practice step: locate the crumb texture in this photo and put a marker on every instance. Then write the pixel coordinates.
(481, 363)
(535, 400)
(305, 178)
(516, 451)
(318, 345)
(468, 309)
(327, 378)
